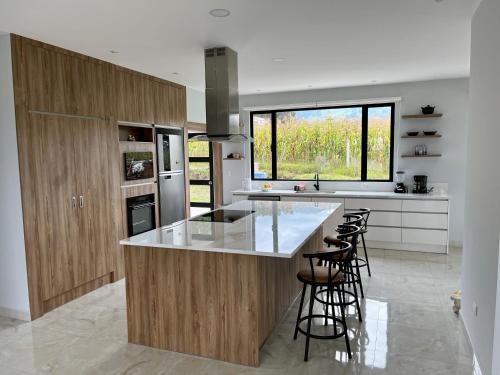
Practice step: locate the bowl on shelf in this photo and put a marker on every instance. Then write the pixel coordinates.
(412, 134)
(428, 110)
(433, 132)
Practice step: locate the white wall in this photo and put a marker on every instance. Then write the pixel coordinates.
(195, 102)
(450, 97)
(14, 299)
(482, 204)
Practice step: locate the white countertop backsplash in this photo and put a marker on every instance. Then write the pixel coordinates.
(276, 229)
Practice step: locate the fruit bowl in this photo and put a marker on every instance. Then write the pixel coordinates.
(412, 134)
(433, 132)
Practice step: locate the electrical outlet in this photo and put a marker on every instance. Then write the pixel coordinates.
(475, 308)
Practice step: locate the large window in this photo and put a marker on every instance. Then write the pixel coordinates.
(349, 143)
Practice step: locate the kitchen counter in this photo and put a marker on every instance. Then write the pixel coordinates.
(218, 290)
(276, 229)
(346, 194)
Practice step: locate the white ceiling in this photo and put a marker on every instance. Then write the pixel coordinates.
(325, 43)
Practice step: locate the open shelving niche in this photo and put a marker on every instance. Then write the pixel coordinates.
(421, 117)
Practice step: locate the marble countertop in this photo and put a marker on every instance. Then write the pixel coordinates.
(275, 229)
(345, 194)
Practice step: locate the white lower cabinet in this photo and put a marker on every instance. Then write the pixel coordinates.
(383, 234)
(295, 199)
(385, 219)
(428, 221)
(373, 204)
(402, 224)
(425, 237)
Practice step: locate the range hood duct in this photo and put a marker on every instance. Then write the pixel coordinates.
(221, 97)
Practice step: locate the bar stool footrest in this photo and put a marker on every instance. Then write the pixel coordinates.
(340, 327)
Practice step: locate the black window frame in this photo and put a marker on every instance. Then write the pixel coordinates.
(364, 141)
(203, 159)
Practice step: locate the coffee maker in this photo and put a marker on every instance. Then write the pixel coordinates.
(420, 185)
(400, 186)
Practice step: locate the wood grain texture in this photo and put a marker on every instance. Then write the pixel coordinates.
(134, 96)
(177, 105)
(216, 305)
(56, 81)
(74, 293)
(162, 109)
(27, 190)
(62, 83)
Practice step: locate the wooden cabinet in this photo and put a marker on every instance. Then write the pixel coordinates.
(63, 83)
(74, 205)
(54, 212)
(134, 97)
(177, 105)
(162, 104)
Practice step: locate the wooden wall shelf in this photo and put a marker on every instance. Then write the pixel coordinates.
(422, 116)
(422, 156)
(234, 159)
(422, 136)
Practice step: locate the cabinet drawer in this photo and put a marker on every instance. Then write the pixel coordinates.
(296, 199)
(385, 219)
(328, 200)
(383, 234)
(425, 237)
(418, 220)
(373, 204)
(425, 206)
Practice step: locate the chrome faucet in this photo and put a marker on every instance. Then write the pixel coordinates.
(316, 185)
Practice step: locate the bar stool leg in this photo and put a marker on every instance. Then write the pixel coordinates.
(342, 312)
(366, 256)
(309, 320)
(299, 313)
(359, 279)
(326, 307)
(357, 303)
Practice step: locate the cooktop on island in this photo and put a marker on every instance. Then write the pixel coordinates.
(222, 216)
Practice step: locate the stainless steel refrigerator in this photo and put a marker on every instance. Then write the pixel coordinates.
(171, 182)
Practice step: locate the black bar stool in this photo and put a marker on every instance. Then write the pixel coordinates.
(357, 221)
(348, 232)
(330, 278)
(365, 214)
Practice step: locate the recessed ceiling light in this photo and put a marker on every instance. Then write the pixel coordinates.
(373, 81)
(175, 73)
(219, 12)
(278, 59)
(310, 86)
(259, 90)
(113, 51)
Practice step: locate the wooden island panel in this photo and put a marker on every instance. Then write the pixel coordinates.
(216, 305)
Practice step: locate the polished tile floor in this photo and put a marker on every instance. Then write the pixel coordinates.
(409, 328)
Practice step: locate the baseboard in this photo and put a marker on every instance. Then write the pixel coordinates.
(475, 364)
(458, 244)
(15, 314)
(437, 249)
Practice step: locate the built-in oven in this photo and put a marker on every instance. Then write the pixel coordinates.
(141, 214)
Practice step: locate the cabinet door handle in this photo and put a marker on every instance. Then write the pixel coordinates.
(82, 203)
(73, 202)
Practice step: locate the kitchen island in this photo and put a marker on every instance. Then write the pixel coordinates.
(217, 287)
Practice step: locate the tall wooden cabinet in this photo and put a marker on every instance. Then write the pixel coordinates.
(67, 111)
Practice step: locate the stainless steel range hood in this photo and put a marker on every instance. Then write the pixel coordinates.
(221, 97)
